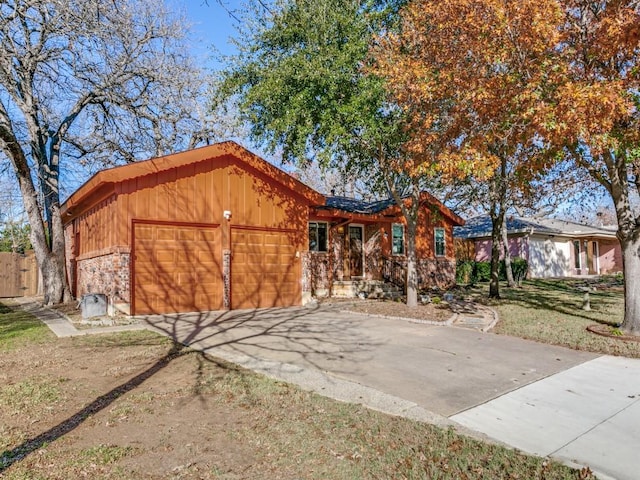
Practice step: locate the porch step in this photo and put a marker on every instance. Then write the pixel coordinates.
(371, 288)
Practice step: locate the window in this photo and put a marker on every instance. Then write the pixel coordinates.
(439, 241)
(397, 239)
(317, 237)
(576, 254)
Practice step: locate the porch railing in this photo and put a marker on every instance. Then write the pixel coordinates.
(394, 271)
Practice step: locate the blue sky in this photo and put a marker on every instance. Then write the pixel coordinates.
(211, 26)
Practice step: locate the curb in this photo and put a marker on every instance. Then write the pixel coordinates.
(450, 322)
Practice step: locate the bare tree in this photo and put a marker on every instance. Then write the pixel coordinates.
(88, 81)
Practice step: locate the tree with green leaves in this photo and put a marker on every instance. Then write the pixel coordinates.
(300, 80)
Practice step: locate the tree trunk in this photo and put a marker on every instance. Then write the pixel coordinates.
(631, 260)
(51, 260)
(507, 255)
(412, 264)
(494, 282)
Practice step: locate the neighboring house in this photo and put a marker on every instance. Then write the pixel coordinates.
(553, 248)
(220, 228)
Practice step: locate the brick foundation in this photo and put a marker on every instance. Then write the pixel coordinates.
(436, 273)
(108, 273)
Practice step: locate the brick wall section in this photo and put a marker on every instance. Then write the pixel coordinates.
(338, 250)
(319, 265)
(109, 274)
(226, 278)
(436, 273)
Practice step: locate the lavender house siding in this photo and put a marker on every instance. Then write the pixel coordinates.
(555, 257)
(518, 247)
(610, 257)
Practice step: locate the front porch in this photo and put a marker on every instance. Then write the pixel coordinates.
(358, 248)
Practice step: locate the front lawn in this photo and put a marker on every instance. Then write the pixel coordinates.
(136, 406)
(550, 311)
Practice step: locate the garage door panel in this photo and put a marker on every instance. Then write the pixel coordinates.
(166, 233)
(177, 269)
(144, 232)
(165, 256)
(264, 270)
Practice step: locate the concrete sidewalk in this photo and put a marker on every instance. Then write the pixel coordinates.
(587, 415)
(61, 326)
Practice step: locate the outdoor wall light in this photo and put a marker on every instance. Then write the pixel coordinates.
(341, 229)
(227, 214)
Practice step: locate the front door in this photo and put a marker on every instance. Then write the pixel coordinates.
(356, 251)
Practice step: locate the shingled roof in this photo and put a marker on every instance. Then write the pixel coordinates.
(358, 206)
(480, 227)
(362, 207)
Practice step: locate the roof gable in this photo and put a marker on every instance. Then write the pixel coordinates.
(177, 160)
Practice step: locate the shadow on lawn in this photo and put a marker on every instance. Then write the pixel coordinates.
(275, 329)
(563, 297)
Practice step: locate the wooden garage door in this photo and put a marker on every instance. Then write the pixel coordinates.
(177, 268)
(264, 269)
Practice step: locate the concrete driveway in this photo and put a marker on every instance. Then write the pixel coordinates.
(577, 407)
(444, 370)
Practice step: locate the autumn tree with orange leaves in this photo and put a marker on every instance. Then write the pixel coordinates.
(596, 115)
(469, 75)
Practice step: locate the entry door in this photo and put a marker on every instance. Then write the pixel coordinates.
(356, 251)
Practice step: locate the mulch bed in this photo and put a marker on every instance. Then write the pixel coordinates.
(612, 332)
(386, 308)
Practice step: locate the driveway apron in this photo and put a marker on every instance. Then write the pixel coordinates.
(445, 370)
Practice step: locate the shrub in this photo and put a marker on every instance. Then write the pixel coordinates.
(472, 272)
(519, 267)
(482, 272)
(464, 271)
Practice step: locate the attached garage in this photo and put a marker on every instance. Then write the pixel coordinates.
(264, 268)
(176, 268)
(208, 229)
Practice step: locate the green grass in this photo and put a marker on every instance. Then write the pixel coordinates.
(550, 311)
(105, 454)
(18, 328)
(32, 394)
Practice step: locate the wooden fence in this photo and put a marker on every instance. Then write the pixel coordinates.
(18, 275)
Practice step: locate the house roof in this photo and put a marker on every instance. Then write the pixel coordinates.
(362, 207)
(176, 160)
(111, 176)
(480, 227)
(358, 206)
